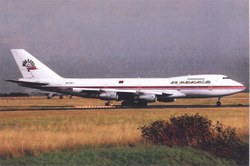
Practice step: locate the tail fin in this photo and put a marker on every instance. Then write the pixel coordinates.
(32, 68)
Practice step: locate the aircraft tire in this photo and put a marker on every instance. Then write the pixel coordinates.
(126, 103)
(218, 104)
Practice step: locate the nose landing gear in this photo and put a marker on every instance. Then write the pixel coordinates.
(218, 103)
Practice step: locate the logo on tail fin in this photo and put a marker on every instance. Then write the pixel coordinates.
(29, 64)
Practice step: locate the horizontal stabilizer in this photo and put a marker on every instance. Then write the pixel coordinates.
(26, 83)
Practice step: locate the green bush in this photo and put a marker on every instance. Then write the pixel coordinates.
(180, 131)
(198, 132)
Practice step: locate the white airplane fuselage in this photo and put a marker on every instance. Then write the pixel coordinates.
(37, 75)
(192, 86)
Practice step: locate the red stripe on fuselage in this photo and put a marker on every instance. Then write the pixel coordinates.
(155, 87)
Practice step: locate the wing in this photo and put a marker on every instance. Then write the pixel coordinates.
(131, 94)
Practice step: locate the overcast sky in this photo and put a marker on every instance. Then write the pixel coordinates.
(126, 38)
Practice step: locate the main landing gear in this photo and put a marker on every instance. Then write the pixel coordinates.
(108, 103)
(218, 103)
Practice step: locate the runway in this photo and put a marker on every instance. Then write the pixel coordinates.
(113, 107)
(42, 104)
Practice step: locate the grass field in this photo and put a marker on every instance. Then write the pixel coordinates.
(139, 155)
(35, 132)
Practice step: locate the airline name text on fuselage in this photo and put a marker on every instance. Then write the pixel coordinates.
(190, 82)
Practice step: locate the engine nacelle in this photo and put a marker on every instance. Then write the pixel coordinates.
(108, 96)
(166, 99)
(147, 97)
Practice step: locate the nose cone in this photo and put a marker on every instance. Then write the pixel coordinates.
(242, 87)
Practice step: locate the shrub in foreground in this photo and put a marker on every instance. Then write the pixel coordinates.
(197, 131)
(184, 130)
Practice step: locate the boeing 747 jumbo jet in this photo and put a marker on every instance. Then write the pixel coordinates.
(131, 91)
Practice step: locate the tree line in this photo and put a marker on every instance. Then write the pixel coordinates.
(14, 94)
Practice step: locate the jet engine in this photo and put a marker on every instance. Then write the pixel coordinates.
(147, 97)
(108, 96)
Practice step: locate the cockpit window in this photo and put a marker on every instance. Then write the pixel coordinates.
(226, 77)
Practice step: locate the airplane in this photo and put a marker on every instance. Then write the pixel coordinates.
(131, 91)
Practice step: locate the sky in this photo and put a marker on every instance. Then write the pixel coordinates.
(126, 38)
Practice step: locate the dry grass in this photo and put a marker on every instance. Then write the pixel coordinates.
(25, 141)
(35, 132)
